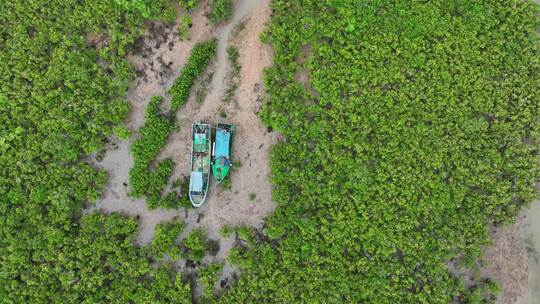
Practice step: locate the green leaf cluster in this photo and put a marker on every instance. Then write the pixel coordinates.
(151, 139)
(207, 278)
(195, 246)
(201, 55)
(188, 4)
(220, 10)
(122, 132)
(164, 239)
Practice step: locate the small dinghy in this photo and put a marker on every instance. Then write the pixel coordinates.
(201, 135)
(221, 155)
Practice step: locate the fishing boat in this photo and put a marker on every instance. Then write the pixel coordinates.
(201, 136)
(221, 155)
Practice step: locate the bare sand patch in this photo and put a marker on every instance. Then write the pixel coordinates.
(506, 262)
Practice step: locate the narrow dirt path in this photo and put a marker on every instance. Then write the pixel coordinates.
(252, 141)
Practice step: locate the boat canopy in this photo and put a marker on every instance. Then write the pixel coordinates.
(222, 143)
(196, 182)
(199, 144)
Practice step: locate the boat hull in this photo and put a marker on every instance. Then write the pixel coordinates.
(201, 138)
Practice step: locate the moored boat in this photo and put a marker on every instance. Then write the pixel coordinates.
(221, 155)
(201, 135)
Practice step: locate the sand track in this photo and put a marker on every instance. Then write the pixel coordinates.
(252, 142)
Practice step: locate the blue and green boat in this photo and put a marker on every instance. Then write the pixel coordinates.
(221, 156)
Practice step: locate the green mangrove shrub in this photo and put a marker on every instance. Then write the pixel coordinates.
(200, 57)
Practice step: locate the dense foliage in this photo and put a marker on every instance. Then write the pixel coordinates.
(220, 10)
(200, 57)
(105, 243)
(410, 126)
(62, 78)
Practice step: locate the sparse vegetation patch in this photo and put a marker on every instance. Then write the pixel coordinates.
(226, 231)
(186, 22)
(203, 87)
(233, 77)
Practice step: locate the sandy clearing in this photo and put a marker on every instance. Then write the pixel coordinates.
(252, 142)
(157, 63)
